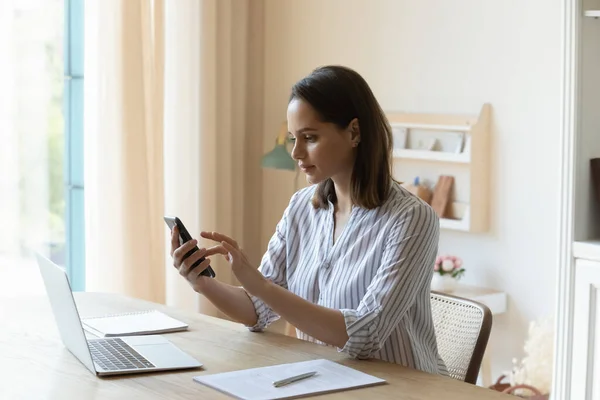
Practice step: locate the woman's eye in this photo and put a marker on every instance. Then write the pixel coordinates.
(306, 138)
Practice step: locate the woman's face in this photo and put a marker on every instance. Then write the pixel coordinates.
(321, 149)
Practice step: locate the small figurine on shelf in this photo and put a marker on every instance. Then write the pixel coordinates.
(419, 190)
(447, 270)
(442, 194)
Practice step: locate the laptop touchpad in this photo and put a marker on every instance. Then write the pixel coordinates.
(165, 355)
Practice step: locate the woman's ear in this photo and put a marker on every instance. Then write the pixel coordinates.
(354, 129)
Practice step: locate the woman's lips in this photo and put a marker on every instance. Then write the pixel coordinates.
(307, 168)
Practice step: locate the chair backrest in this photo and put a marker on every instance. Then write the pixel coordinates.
(462, 329)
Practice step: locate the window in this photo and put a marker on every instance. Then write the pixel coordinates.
(37, 155)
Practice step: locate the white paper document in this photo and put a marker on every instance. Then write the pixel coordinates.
(257, 383)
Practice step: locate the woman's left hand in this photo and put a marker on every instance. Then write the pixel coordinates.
(248, 275)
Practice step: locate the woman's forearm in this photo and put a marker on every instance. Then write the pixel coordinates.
(231, 300)
(322, 323)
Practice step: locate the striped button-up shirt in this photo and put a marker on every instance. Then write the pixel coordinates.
(377, 273)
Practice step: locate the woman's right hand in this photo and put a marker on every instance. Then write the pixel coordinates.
(192, 275)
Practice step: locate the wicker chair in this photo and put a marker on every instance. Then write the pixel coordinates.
(462, 329)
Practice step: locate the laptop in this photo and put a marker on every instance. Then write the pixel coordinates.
(106, 356)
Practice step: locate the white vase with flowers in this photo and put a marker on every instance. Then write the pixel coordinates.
(447, 270)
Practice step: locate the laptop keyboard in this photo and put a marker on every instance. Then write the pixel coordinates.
(114, 354)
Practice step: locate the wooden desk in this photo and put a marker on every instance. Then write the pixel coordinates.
(35, 364)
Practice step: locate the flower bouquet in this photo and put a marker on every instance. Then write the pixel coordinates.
(447, 270)
(531, 378)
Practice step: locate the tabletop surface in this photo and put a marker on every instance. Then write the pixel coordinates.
(36, 365)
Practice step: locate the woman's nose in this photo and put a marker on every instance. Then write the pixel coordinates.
(297, 152)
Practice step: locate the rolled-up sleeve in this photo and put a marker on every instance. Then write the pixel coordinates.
(273, 267)
(406, 269)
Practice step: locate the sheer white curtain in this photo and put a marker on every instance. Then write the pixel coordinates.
(140, 166)
(207, 159)
(123, 148)
(190, 128)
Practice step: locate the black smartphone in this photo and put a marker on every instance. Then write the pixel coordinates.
(184, 236)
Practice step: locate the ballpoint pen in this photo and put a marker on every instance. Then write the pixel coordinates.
(291, 379)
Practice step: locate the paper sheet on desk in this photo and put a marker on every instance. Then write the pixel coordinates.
(257, 383)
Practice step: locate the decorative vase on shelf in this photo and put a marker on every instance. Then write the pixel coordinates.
(447, 271)
(443, 283)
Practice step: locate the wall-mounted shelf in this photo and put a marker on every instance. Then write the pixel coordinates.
(592, 13)
(430, 125)
(454, 224)
(588, 250)
(470, 214)
(462, 212)
(439, 156)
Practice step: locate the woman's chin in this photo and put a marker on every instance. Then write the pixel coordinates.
(314, 179)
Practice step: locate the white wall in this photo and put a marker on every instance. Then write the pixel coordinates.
(448, 57)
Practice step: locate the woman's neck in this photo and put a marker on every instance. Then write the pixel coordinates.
(343, 196)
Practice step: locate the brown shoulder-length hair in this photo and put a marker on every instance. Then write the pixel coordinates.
(338, 95)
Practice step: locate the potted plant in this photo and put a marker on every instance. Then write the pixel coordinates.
(447, 270)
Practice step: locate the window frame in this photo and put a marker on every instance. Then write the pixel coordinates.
(73, 117)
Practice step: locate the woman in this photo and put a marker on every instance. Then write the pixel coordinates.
(351, 261)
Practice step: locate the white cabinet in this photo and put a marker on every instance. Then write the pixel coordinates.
(585, 377)
(576, 356)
